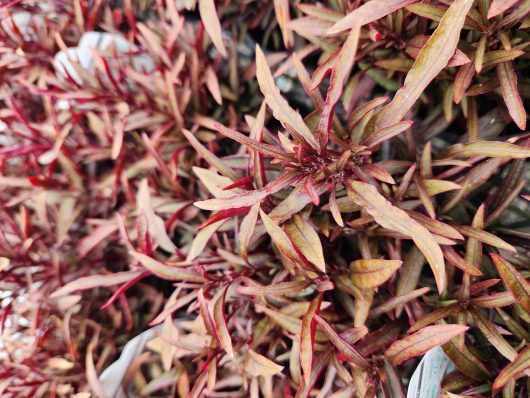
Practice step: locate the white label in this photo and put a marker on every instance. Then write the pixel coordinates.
(427, 378)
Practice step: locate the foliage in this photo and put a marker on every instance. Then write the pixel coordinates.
(235, 172)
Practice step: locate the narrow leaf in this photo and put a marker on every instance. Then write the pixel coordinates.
(494, 149)
(512, 99)
(246, 230)
(93, 281)
(281, 109)
(307, 337)
(344, 349)
(513, 280)
(421, 342)
(499, 6)
(249, 198)
(485, 237)
(368, 12)
(280, 239)
(366, 273)
(305, 239)
(455, 259)
(219, 320)
(212, 25)
(386, 133)
(391, 217)
(165, 271)
(518, 365)
(432, 59)
(264, 149)
(258, 365)
(276, 289)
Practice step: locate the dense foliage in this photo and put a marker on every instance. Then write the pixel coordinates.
(306, 196)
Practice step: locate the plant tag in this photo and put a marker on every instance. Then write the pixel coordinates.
(427, 378)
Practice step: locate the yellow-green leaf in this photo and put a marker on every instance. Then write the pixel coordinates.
(258, 365)
(513, 280)
(421, 342)
(494, 149)
(391, 217)
(432, 59)
(306, 240)
(369, 273)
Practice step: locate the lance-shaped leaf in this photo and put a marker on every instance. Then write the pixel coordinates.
(367, 13)
(494, 300)
(492, 149)
(398, 301)
(386, 133)
(510, 93)
(213, 160)
(513, 280)
(306, 240)
(264, 149)
(344, 349)
(276, 289)
(494, 337)
(249, 198)
(212, 25)
(307, 337)
(499, 6)
(435, 226)
(369, 273)
(289, 323)
(421, 342)
(432, 59)
(219, 320)
(281, 109)
(165, 271)
(339, 74)
(257, 365)
(247, 229)
(435, 316)
(201, 239)
(281, 240)
(519, 365)
(485, 237)
(455, 259)
(394, 218)
(465, 361)
(93, 281)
